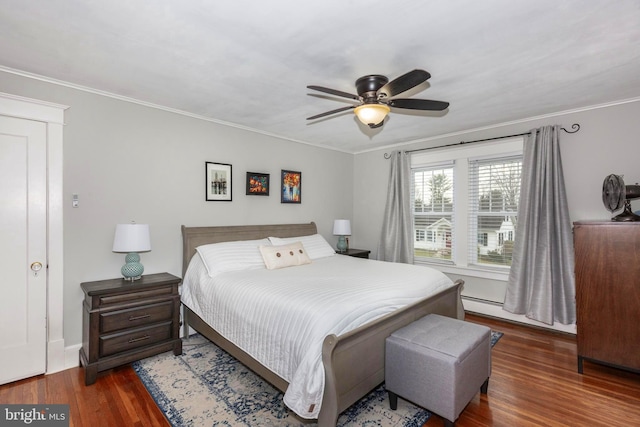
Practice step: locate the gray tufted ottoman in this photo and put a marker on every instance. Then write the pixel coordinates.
(438, 363)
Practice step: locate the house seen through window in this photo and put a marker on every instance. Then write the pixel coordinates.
(465, 205)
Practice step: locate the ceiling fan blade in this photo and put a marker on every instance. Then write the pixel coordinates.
(418, 104)
(334, 92)
(403, 83)
(337, 110)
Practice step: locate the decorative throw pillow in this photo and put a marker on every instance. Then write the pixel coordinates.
(232, 256)
(315, 244)
(284, 256)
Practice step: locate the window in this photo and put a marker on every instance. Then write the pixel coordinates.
(433, 211)
(494, 192)
(465, 206)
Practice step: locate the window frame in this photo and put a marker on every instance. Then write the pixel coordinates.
(460, 156)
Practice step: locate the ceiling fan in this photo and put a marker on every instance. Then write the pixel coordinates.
(376, 94)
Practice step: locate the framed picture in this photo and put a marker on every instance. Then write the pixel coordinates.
(257, 184)
(291, 187)
(218, 181)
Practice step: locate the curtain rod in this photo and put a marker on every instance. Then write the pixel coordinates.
(575, 127)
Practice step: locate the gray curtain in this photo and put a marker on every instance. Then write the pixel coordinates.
(396, 241)
(541, 282)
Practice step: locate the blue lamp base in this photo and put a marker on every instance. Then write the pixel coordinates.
(342, 244)
(132, 270)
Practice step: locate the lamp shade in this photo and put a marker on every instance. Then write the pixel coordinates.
(132, 238)
(342, 227)
(371, 114)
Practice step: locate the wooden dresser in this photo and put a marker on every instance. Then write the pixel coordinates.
(607, 256)
(126, 321)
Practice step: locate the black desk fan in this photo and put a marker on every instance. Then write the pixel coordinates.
(616, 195)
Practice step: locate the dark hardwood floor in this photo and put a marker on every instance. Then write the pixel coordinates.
(118, 398)
(534, 382)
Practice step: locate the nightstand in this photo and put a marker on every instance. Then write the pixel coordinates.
(356, 253)
(125, 321)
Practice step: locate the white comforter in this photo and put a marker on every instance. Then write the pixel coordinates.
(280, 317)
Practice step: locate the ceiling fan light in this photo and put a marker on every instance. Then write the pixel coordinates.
(371, 114)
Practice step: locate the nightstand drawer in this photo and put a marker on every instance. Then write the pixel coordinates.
(135, 317)
(133, 297)
(129, 340)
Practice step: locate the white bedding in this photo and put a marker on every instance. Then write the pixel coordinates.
(280, 317)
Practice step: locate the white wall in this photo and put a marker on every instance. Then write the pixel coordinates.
(606, 143)
(132, 162)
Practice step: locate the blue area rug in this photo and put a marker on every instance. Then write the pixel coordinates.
(495, 336)
(205, 386)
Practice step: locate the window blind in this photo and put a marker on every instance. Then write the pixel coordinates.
(494, 194)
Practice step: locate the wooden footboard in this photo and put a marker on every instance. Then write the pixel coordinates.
(353, 362)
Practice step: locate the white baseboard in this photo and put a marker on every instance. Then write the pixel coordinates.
(495, 310)
(72, 356)
(55, 356)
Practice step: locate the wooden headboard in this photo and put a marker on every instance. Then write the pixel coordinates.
(192, 237)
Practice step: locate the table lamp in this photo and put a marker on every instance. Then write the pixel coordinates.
(131, 239)
(341, 228)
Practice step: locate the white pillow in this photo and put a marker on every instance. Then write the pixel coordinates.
(232, 256)
(315, 244)
(284, 255)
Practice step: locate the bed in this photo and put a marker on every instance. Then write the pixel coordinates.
(352, 362)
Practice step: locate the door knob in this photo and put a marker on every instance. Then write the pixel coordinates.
(35, 267)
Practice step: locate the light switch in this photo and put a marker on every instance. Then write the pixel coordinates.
(75, 202)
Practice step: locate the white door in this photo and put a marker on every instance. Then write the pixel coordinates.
(23, 234)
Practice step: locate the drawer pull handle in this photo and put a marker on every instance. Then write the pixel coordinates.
(146, 337)
(144, 316)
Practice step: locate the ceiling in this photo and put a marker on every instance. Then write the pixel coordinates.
(247, 63)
